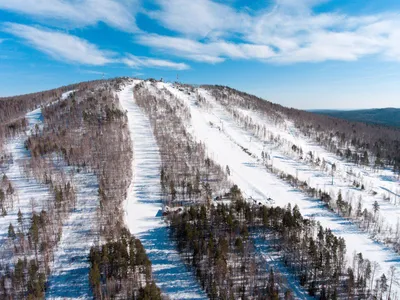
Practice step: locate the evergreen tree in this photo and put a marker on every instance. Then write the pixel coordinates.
(11, 232)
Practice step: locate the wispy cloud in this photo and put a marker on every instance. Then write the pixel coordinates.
(59, 45)
(200, 18)
(146, 62)
(212, 31)
(119, 14)
(210, 52)
(288, 31)
(93, 72)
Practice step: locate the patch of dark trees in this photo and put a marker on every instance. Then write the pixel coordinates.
(120, 269)
(215, 242)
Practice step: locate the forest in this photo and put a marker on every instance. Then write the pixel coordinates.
(378, 116)
(84, 133)
(77, 152)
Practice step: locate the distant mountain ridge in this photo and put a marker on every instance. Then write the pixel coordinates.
(381, 116)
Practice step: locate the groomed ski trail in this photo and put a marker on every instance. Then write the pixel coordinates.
(144, 202)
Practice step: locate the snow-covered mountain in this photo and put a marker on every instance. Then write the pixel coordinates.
(145, 189)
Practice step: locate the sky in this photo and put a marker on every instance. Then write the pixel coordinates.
(307, 54)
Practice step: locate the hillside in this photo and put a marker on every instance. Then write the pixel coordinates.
(143, 189)
(379, 116)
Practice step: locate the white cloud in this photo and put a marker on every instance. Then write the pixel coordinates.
(211, 31)
(59, 45)
(211, 52)
(288, 31)
(146, 62)
(199, 18)
(118, 14)
(93, 72)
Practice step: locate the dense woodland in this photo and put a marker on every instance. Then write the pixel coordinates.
(121, 270)
(217, 244)
(380, 116)
(219, 238)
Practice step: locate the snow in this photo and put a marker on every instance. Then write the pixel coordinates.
(67, 94)
(70, 268)
(382, 182)
(253, 178)
(69, 278)
(28, 192)
(143, 203)
(225, 141)
(273, 260)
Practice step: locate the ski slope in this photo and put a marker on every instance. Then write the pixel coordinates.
(144, 202)
(29, 194)
(69, 278)
(379, 184)
(253, 178)
(70, 268)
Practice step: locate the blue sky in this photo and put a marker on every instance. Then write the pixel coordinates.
(301, 53)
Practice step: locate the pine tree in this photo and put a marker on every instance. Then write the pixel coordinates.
(375, 207)
(365, 158)
(383, 284)
(94, 276)
(11, 232)
(10, 189)
(339, 201)
(20, 217)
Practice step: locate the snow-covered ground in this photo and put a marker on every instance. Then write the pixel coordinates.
(378, 184)
(225, 140)
(29, 194)
(253, 178)
(70, 268)
(144, 202)
(273, 260)
(69, 278)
